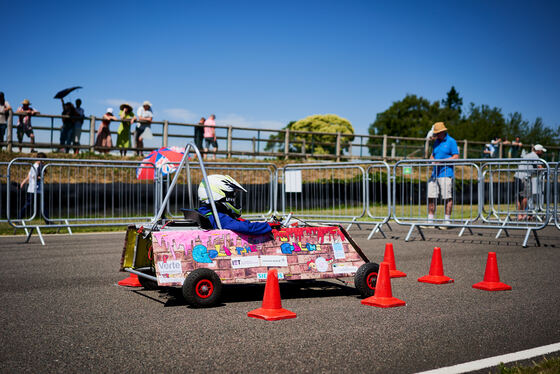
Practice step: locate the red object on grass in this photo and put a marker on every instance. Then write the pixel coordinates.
(165, 159)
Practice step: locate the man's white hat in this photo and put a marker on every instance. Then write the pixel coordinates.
(539, 147)
(109, 110)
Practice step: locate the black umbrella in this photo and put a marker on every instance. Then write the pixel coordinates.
(65, 92)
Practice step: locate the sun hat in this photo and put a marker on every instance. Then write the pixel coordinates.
(439, 127)
(539, 147)
(109, 110)
(147, 103)
(125, 105)
(25, 102)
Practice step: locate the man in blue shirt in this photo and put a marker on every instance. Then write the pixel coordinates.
(224, 191)
(441, 181)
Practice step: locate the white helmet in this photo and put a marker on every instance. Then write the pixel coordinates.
(224, 190)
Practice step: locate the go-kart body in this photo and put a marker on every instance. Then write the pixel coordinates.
(297, 253)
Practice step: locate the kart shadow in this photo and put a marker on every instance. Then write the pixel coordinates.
(235, 293)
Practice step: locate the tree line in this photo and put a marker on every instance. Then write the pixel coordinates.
(413, 116)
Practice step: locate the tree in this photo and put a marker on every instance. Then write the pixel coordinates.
(411, 117)
(483, 123)
(453, 101)
(316, 141)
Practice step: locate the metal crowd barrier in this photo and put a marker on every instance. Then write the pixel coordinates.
(499, 194)
(350, 192)
(79, 193)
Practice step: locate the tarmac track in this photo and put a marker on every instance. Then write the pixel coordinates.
(63, 312)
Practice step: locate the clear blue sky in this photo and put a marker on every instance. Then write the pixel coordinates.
(262, 64)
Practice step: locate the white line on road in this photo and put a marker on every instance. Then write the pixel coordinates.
(494, 361)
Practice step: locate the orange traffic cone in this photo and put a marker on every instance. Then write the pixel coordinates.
(390, 258)
(383, 296)
(436, 270)
(131, 281)
(272, 304)
(491, 280)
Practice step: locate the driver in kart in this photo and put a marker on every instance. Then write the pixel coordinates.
(224, 191)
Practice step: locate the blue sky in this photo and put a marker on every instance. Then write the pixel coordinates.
(262, 64)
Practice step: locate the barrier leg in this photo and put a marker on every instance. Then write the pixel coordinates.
(466, 227)
(389, 226)
(504, 230)
(412, 229)
(40, 235)
(376, 229)
(68, 227)
(527, 238)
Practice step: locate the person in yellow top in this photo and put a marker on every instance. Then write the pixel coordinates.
(123, 137)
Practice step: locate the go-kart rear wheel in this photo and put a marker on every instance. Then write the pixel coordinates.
(365, 279)
(202, 288)
(148, 284)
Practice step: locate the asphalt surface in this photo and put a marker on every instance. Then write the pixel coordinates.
(62, 311)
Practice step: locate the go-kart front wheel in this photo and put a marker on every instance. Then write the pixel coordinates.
(202, 288)
(365, 279)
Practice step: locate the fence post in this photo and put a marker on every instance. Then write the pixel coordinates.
(338, 146)
(254, 141)
(10, 130)
(384, 149)
(286, 143)
(303, 150)
(465, 150)
(500, 150)
(229, 141)
(165, 133)
(393, 150)
(426, 148)
(91, 133)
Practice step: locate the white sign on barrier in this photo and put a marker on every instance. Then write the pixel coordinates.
(293, 180)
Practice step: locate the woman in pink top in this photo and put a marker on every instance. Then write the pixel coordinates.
(210, 135)
(104, 134)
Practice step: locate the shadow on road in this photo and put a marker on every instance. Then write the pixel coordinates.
(232, 293)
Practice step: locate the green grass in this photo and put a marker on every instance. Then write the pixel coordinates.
(546, 366)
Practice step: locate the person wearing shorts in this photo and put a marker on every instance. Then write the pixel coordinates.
(524, 178)
(440, 184)
(25, 111)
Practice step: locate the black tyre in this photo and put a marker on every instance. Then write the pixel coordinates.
(148, 284)
(202, 288)
(365, 279)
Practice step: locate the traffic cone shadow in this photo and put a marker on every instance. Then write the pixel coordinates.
(131, 281)
(271, 309)
(383, 297)
(436, 275)
(491, 280)
(390, 258)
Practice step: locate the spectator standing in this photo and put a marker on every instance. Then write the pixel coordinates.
(78, 122)
(35, 189)
(516, 147)
(69, 113)
(123, 133)
(525, 178)
(199, 133)
(210, 136)
(496, 143)
(441, 181)
(25, 111)
(4, 114)
(104, 133)
(145, 116)
(488, 150)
